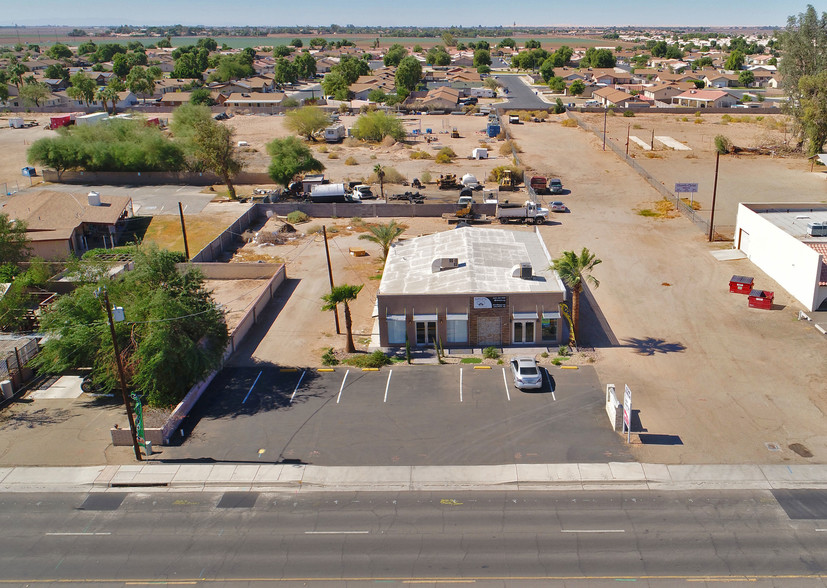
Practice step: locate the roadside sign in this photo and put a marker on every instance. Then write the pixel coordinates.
(686, 188)
(627, 413)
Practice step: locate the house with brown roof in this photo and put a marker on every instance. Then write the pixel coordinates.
(568, 74)
(705, 99)
(60, 224)
(254, 100)
(720, 80)
(662, 94)
(610, 76)
(443, 98)
(612, 97)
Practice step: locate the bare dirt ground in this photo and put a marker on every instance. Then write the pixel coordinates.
(13, 144)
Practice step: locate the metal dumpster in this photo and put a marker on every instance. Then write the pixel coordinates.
(761, 299)
(741, 284)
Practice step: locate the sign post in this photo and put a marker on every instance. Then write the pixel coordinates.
(687, 188)
(627, 413)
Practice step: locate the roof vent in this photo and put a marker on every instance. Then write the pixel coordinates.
(522, 271)
(94, 198)
(441, 264)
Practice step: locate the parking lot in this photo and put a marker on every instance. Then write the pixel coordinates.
(401, 415)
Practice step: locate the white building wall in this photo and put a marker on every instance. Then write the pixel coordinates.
(788, 261)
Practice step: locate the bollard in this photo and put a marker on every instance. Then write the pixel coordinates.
(148, 446)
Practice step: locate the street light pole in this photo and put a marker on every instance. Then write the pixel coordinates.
(714, 194)
(122, 378)
(605, 116)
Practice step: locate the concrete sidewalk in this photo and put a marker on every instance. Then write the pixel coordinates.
(154, 476)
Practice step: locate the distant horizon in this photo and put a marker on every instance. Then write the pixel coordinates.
(373, 13)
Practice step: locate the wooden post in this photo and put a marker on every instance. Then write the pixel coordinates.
(714, 193)
(184, 231)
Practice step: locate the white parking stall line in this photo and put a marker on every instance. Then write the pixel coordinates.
(505, 381)
(550, 387)
(460, 384)
(342, 387)
(388, 385)
(296, 389)
(251, 388)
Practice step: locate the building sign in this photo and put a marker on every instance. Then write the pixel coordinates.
(490, 301)
(679, 188)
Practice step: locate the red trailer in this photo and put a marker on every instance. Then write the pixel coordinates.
(153, 121)
(761, 299)
(741, 284)
(60, 121)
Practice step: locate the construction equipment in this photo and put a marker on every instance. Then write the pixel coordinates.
(507, 181)
(454, 133)
(448, 182)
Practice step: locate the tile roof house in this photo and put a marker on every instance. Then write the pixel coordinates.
(720, 80)
(254, 100)
(705, 99)
(613, 97)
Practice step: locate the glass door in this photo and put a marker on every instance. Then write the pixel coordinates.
(425, 332)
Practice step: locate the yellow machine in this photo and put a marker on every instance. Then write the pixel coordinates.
(507, 181)
(447, 182)
(454, 133)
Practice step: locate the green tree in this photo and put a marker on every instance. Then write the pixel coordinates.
(659, 49)
(282, 51)
(577, 87)
(343, 294)
(16, 71)
(351, 68)
(561, 57)
(83, 87)
(120, 65)
(812, 90)
(598, 58)
(59, 51)
(437, 56)
(383, 235)
(305, 65)
(231, 67)
(318, 42)
(297, 43)
(56, 72)
(575, 269)
(557, 85)
(139, 83)
(106, 95)
(746, 78)
(285, 72)
(175, 334)
(207, 43)
(334, 84)
(165, 43)
(532, 44)
(307, 121)
(35, 92)
(705, 61)
(375, 126)
(394, 55)
(201, 96)
(408, 74)
(508, 42)
(290, 157)
(87, 47)
(547, 69)
(186, 66)
(735, 61)
(14, 245)
(448, 39)
(380, 173)
(482, 57)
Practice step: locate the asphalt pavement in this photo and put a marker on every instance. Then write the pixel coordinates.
(520, 95)
(401, 415)
(488, 538)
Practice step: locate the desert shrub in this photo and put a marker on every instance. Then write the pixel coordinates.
(722, 144)
(699, 121)
(507, 147)
(726, 119)
(490, 353)
(556, 361)
(569, 122)
(350, 142)
(313, 229)
(449, 152)
(442, 158)
(323, 149)
(420, 155)
(497, 172)
(425, 177)
(376, 359)
(375, 126)
(328, 358)
(628, 113)
(351, 161)
(636, 126)
(297, 216)
(333, 155)
(392, 176)
(563, 350)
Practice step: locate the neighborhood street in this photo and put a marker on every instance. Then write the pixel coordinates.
(519, 94)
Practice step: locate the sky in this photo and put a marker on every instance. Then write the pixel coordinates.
(394, 13)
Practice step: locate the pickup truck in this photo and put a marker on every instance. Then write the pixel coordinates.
(530, 212)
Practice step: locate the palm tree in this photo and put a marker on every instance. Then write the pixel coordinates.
(574, 269)
(384, 235)
(380, 173)
(342, 295)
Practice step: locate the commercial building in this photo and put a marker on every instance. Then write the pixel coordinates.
(789, 243)
(471, 287)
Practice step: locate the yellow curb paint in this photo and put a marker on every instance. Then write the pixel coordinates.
(482, 367)
(568, 367)
(325, 370)
(370, 369)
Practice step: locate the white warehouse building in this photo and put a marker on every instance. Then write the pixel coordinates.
(789, 243)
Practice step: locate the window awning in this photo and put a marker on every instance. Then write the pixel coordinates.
(525, 316)
(425, 317)
(551, 315)
(396, 317)
(457, 316)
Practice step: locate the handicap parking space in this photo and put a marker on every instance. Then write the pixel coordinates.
(403, 415)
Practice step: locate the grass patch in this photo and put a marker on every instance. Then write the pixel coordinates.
(569, 122)
(470, 360)
(648, 212)
(376, 359)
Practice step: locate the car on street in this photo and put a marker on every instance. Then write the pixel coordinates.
(558, 206)
(526, 373)
(555, 186)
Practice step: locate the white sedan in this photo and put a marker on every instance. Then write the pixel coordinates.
(558, 207)
(526, 373)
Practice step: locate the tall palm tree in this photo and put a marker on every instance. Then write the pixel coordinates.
(384, 235)
(342, 295)
(574, 269)
(380, 173)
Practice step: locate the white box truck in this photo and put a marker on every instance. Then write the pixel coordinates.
(530, 212)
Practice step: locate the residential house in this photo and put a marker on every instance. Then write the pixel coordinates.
(254, 100)
(762, 75)
(705, 99)
(568, 74)
(610, 76)
(662, 94)
(720, 80)
(612, 97)
(444, 98)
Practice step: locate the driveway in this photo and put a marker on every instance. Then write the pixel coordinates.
(401, 415)
(520, 95)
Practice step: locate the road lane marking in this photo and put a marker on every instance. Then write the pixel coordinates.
(296, 389)
(342, 387)
(550, 387)
(251, 388)
(460, 384)
(505, 381)
(337, 532)
(592, 530)
(75, 534)
(388, 385)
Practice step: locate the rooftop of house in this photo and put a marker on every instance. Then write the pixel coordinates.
(55, 215)
(486, 259)
(703, 94)
(793, 218)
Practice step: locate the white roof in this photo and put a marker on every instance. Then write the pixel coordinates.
(486, 259)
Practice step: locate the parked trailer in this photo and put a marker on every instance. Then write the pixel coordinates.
(61, 121)
(539, 184)
(91, 119)
(332, 193)
(335, 133)
(530, 212)
(16, 122)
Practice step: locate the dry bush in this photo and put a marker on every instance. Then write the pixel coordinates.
(333, 155)
(443, 158)
(388, 141)
(270, 237)
(420, 155)
(351, 142)
(509, 146)
(425, 177)
(323, 149)
(569, 122)
(351, 161)
(392, 176)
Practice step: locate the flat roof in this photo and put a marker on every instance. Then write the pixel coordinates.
(486, 258)
(793, 218)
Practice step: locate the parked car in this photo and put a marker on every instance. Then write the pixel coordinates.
(558, 206)
(555, 186)
(526, 373)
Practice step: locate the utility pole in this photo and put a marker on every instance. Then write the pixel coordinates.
(628, 132)
(122, 378)
(714, 194)
(184, 231)
(605, 116)
(330, 275)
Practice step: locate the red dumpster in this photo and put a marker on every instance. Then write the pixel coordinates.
(761, 299)
(740, 284)
(60, 121)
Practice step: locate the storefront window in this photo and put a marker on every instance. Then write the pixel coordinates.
(549, 329)
(396, 332)
(457, 331)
